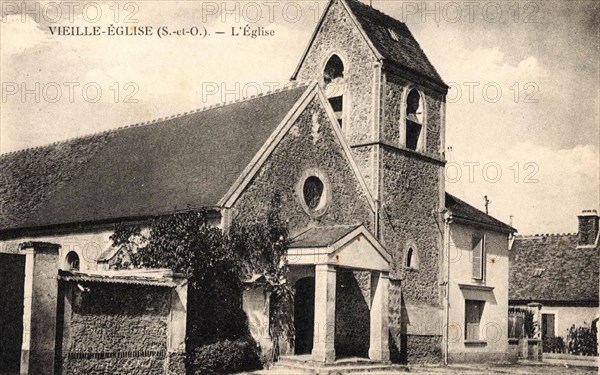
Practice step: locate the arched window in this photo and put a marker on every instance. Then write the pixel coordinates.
(411, 260)
(414, 119)
(73, 261)
(333, 76)
(334, 69)
(409, 256)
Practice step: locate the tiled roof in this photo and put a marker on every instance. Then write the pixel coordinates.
(552, 268)
(465, 211)
(183, 162)
(405, 52)
(80, 277)
(322, 236)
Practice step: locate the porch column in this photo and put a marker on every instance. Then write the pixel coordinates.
(324, 335)
(379, 348)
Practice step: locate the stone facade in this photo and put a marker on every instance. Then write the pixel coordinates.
(279, 176)
(338, 35)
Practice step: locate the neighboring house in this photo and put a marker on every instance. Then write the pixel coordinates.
(385, 264)
(560, 272)
(478, 247)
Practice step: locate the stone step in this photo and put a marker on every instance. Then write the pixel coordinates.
(305, 365)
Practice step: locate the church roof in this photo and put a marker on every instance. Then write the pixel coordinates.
(550, 268)
(462, 210)
(182, 162)
(322, 236)
(405, 51)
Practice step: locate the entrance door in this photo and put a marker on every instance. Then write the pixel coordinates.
(12, 284)
(548, 326)
(304, 315)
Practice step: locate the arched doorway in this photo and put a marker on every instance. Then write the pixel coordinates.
(304, 315)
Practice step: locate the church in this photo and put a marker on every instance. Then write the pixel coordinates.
(386, 265)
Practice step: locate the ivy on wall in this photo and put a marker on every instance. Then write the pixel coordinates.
(216, 263)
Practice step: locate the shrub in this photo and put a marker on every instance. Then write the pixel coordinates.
(583, 340)
(554, 345)
(225, 357)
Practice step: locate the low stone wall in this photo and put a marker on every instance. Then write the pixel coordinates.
(115, 329)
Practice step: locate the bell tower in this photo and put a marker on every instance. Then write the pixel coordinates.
(390, 102)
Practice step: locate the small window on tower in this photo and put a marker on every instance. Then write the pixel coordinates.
(393, 35)
(333, 76)
(414, 119)
(334, 69)
(337, 103)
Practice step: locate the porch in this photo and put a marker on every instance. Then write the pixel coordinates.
(341, 279)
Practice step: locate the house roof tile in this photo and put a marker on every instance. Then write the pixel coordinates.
(405, 52)
(552, 268)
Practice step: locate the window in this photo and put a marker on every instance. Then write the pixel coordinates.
(393, 35)
(334, 69)
(333, 76)
(473, 313)
(478, 257)
(414, 119)
(412, 259)
(313, 192)
(73, 261)
(337, 103)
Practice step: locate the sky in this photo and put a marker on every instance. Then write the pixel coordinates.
(522, 115)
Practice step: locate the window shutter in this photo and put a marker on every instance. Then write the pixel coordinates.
(477, 257)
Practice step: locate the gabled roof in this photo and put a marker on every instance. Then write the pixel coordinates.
(463, 211)
(322, 236)
(550, 268)
(351, 246)
(183, 162)
(375, 26)
(406, 52)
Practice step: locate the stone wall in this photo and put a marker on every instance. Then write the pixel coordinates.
(409, 218)
(309, 144)
(114, 328)
(352, 320)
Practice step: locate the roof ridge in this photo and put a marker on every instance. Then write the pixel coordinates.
(287, 87)
(546, 235)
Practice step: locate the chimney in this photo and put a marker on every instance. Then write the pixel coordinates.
(588, 228)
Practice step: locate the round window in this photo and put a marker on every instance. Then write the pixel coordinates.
(313, 192)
